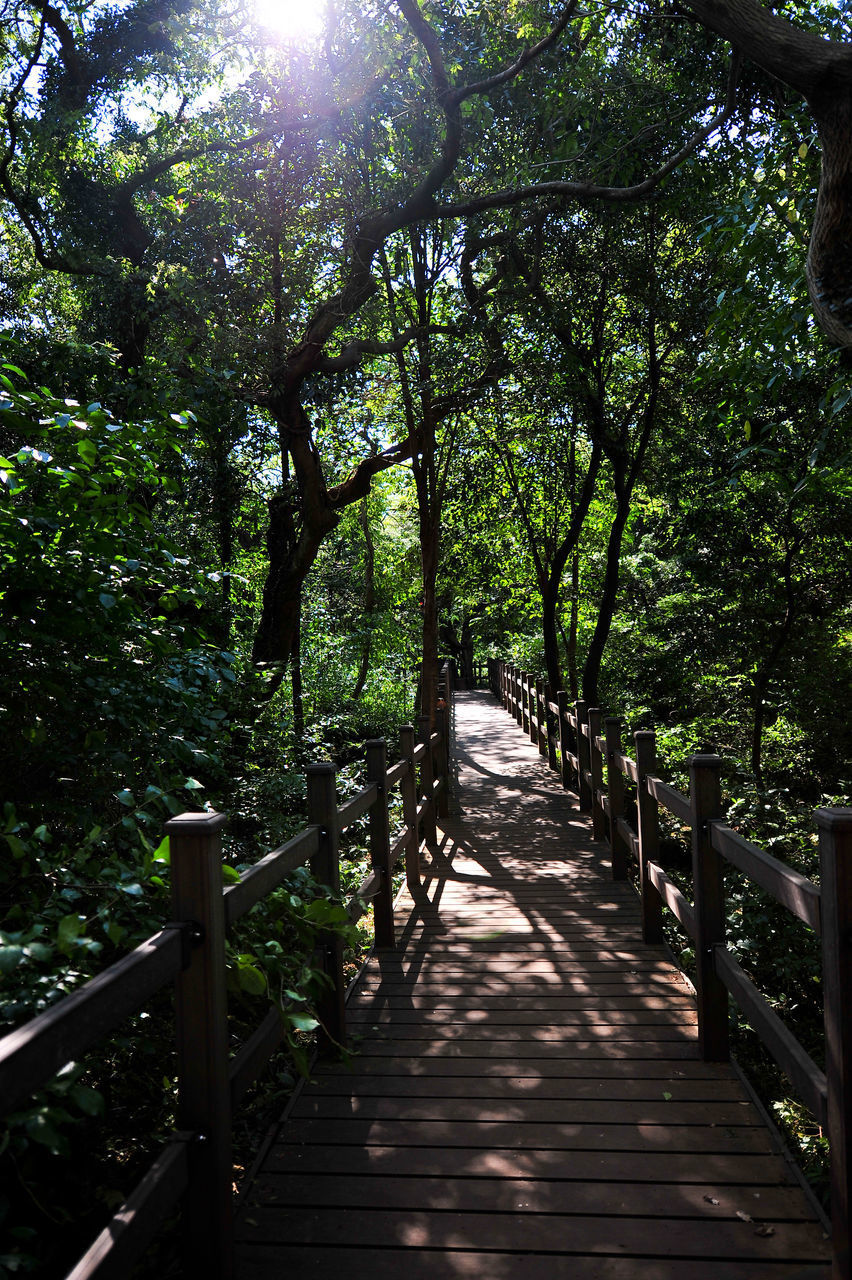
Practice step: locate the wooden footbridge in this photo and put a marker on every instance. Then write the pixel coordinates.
(527, 1099)
(535, 1091)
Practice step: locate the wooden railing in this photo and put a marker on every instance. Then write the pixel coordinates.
(585, 747)
(196, 1166)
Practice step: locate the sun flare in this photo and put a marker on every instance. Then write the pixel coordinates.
(293, 20)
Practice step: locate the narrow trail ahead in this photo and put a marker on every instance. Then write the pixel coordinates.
(526, 1101)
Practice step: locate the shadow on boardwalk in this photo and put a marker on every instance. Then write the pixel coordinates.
(527, 1099)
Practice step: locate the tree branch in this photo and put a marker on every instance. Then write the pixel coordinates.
(591, 191)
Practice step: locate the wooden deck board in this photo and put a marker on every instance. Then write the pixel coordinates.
(525, 1101)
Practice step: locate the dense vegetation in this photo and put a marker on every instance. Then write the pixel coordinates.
(457, 328)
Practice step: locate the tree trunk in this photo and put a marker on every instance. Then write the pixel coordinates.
(609, 596)
(292, 553)
(296, 676)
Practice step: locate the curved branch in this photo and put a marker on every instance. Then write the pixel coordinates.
(591, 191)
(528, 55)
(354, 351)
(808, 63)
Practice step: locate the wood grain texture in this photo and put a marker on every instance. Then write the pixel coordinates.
(526, 1100)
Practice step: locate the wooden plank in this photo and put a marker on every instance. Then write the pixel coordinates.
(537, 1003)
(268, 873)
(626, 765)
(248, 1061)
(355, 808)
(628, 835)
(519, 1049)
(547, 1067)
(131, 1229)
(713, 1200)
(795, 892)
(746, 1169)
(532, 1032)
(791, 1057)
(259, 1262)
(487, 985)
(674, 801)
(524, 1111)
(557, 1021)
(587, 1235)
(525, 1099)
(671, 895)
(399, 845)
(396, 773)
(556, 1136)
(363, 895)
(36, 1051)
(472, 1087)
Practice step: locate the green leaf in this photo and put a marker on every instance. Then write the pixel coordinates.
(89, 1101)
(10, 958)
(230, 874)
(70, 928)
(163, 853)
(40, 1130)
(125, 797)
(251, 979)
(302, 1021)
(19, 849)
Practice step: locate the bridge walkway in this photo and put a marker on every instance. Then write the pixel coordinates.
(526, 1101)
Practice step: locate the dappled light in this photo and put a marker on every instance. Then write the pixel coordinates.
(526, 1083)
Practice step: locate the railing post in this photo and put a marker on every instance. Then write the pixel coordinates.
(548, 723)
(443, 798)
(532, 703)
(408, 790)
(596, 768)
(709, 894)
(835, 856)
(517, 696)
(615, 791)
(204, 1087)
(562, 702)
(583, 758)
(649, 836)
(541, 718)
(377, 771)
(526, 717)
(427, 781)
(325, 867)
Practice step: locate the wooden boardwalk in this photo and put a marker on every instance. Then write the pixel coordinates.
(527, 1101)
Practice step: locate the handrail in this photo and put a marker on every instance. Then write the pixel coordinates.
(356, 807)
(269, 873)
(136, 1223)
(191, 950)
(675, 801)
(583, 756)
(34, 1052)
(798, 1065)
(794, 891)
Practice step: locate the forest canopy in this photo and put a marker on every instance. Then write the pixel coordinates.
(337, 343)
